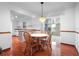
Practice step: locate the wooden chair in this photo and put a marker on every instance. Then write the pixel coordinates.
(46, 43)
(31, 46)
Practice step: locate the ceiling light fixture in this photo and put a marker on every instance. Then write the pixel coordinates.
(42, 18)
(16, 16)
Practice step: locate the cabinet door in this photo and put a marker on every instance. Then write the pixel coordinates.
(5, 41)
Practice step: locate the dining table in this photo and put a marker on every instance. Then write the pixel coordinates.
(39, 37)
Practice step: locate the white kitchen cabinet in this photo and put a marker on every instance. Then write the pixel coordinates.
(5, 41)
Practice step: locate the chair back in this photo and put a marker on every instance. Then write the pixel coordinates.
(28, 38)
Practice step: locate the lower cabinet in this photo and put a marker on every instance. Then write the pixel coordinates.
(5, 41)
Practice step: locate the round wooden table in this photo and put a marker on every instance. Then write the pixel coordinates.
(39, 37)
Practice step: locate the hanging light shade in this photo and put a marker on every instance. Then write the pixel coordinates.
(42, 18)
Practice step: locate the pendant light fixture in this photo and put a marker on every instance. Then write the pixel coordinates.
(42, 18)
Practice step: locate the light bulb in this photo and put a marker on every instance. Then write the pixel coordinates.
(42, 19)
(16, 16)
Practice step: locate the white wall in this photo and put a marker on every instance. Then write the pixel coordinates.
(5, 26)
(70, 21)
(67, 21)
(77, 25)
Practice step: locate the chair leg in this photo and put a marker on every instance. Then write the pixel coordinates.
(49, 50)
(28, 52)
(25, 51)
(31, 52)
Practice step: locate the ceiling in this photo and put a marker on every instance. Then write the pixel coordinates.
(50, 8)
(18, 16)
